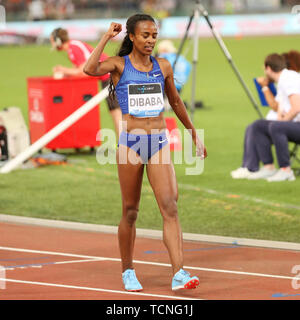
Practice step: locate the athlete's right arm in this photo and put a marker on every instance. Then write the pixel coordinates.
(93, 66)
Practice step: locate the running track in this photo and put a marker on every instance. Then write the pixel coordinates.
(47, 263)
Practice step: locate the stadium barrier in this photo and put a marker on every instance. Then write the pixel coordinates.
(171, 27)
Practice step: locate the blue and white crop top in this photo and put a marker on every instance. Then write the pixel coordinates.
(141, 93)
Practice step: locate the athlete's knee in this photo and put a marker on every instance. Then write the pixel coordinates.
(169, 208)
(130, 214)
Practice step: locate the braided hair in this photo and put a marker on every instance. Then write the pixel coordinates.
(127, 45)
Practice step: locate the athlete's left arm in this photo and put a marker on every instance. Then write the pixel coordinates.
(178, 105)
(295, 108)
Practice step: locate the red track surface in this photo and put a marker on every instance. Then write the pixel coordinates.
(48, 263)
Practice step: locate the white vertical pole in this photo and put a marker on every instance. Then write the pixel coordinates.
(195, 61)
(2, 278)
(54, 132)
(229, 58)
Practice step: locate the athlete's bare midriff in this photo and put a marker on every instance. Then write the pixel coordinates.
(143, 125)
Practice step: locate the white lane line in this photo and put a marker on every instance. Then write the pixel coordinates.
(54, 253)
(2, 278)
(243, 273)
(150, 263)
(219, 270)
(79, 261)
(40, 265)
(57, 285)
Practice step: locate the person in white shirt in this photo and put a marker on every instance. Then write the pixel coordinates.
(36, 10)
(280, 132)
(282, 118)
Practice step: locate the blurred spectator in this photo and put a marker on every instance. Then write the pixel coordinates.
(167, 50)
(158, 9)
(36, 10)
(14, 5)
(59, 9)
(50, 9)
(228, 6)
(290, 2)
(65, 9)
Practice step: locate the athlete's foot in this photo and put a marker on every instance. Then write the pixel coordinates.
(130, 281)
(183, 280)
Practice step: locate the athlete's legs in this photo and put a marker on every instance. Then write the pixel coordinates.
(163, 182)
(130, 177)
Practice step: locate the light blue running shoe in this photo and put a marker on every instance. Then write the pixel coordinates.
(183, 280)
(130, 281)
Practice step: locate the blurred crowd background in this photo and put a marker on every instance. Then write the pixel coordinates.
(17, 10)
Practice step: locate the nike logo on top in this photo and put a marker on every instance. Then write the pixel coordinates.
(162, 141)
(156, 75)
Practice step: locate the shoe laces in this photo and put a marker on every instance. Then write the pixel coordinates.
(129, 275)
(182, 274)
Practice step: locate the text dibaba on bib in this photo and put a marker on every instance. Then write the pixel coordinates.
(145, 100)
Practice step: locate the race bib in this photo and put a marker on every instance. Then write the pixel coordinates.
(145, 100)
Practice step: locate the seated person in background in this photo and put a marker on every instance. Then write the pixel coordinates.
(167, 50)
(251, 157)
(78, 53)
(280, 132)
